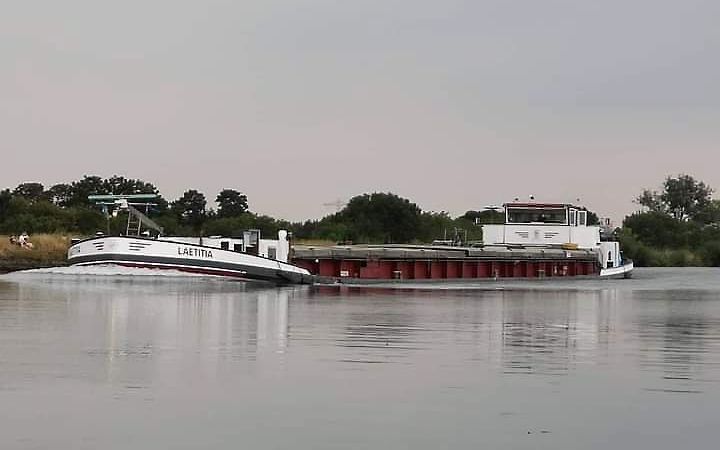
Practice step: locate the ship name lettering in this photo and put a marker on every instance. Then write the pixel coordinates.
(192, 252)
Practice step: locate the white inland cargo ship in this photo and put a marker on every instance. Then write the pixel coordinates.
(250, 258)
(187, 256)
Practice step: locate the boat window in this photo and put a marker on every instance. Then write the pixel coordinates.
(237, 248)
(582, 218)
(536, 215)
(272, 253)
(225, 245)
(573, 218)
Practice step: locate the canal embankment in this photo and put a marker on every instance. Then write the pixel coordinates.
(48, 250)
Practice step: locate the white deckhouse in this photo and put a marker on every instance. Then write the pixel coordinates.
(552, 225)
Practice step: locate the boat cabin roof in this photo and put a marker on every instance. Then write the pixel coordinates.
(539, 205)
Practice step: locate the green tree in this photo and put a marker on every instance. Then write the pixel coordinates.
(190, 208)
(657, 229)
(488, 216)
(89, 185)
(32, 192)
(381, 217)
(120, 185)
(434, 225)
(681, 226)
(60, 194)
(683, 197)
(231, 203)
(710, 214)
(5, 198)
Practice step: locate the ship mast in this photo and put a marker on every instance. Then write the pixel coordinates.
(112, 204)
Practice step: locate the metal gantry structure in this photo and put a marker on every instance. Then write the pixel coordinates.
(112, 204)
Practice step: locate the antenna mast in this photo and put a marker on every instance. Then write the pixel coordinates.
(136, 219)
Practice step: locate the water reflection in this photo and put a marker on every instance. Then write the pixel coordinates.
(197, 325)
(474, 368)
(678, 339)
(550, 338)
(137, 332)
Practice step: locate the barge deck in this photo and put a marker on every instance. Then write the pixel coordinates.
(411, 262)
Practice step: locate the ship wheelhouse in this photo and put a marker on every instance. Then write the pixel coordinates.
(543, 224)
(544, 213)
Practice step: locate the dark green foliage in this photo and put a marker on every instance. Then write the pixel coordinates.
(440, 225)
(592, 218)
(329, 228)
(680, 226)
(228, 226)
(381, 217)
(387, 218)
(682, 197)
(190, 208)
(60, 194)
(32, 192)
(45, 217)
(710, 253)
(64, 207)
(657, 229)
(80, 190)
(487, 216)
(5, 198)
(231, 203)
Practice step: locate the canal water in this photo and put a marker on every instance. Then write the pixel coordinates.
(110, 361)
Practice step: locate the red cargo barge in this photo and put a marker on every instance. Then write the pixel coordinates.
(536, 241)
(441, 263)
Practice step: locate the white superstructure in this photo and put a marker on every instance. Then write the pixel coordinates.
(553, 225)
(543, 224)
(185, 254)
(249, 258)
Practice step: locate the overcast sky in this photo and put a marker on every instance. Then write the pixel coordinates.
(454, 104)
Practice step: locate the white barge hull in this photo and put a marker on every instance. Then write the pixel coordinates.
(623, 271)
(161, 254)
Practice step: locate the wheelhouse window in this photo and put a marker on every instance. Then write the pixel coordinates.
(537, 215)
(582, 218)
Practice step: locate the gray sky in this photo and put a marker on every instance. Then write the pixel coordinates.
(454, 104)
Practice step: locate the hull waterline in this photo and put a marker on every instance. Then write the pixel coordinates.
(190, 258)
(624, 271)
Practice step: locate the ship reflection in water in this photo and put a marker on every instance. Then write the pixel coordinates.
(116, 362)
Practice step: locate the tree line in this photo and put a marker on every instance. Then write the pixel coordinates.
(679, 225)
(367, 218)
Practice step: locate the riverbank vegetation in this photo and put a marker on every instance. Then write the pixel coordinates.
(679, 225)
(48, 250)
(368, 218)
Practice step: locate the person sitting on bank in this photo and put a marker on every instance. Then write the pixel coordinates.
(24, 240)
(14, 240)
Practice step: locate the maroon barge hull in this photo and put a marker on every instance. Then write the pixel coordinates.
(444, 263)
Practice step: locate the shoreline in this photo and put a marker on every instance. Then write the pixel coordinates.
(50, 250)
(8, 266)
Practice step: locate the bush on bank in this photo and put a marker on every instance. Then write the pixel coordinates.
(679, 226)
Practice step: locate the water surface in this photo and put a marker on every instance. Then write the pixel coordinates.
(116, 362)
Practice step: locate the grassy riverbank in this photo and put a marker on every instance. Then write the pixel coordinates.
(48, 250)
